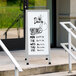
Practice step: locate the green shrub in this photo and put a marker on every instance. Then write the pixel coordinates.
(13, 2)
(31, 2)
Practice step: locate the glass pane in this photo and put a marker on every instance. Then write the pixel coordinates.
(11, 19)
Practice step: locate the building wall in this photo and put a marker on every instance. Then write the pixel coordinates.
(73, 8)
(73, 16)
(73, 11)
(66, 11)
(63, 14)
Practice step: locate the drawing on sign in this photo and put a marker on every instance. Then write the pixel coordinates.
(36, 30)
(38, 20)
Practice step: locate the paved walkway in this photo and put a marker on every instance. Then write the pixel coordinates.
(12, 33)
(58, 57)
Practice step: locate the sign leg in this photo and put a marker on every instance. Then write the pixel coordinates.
(26, 58)
(49, 58)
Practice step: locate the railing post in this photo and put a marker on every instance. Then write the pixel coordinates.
(5, 35)
(18, 29)
(16, 72)
(69, 58)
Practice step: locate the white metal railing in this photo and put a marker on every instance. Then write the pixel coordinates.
(70, 45)
(64, 46)
(17, 66)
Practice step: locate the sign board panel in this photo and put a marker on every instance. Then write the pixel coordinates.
(37, 32)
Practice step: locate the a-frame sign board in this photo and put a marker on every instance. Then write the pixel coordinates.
(37, 34)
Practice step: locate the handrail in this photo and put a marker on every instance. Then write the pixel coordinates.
(70, 45)
(67, 29)
(64, 46)
(15, 21)
(71, 26)
(17, 66)
(73, 47)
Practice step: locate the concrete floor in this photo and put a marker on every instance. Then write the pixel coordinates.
(58, 57)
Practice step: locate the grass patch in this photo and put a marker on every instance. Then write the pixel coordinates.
(8, 15)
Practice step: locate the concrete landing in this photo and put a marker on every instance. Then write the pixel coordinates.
(38, 65)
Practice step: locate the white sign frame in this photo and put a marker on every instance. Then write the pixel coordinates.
(27, 34)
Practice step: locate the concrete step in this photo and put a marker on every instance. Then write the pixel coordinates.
(40, 71)
(37, 65)
(58, 74)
